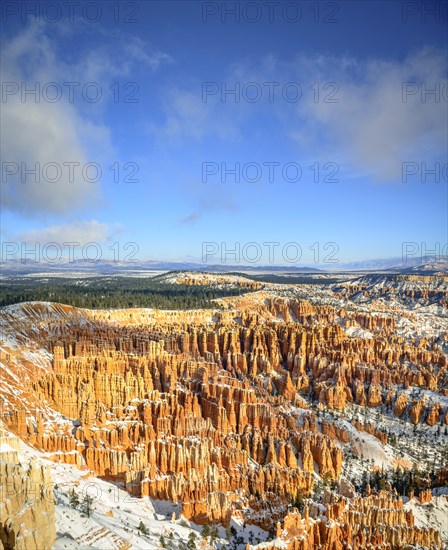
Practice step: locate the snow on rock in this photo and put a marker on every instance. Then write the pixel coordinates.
(358, 332)
(114, 522)
(431, 514)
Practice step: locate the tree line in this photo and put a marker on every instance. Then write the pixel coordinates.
(113, 292)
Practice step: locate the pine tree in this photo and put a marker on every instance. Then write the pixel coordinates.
(87, 505)
(74, 499)
(214, 533)
(191, 541)
(143, 529)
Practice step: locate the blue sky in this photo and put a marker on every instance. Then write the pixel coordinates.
(178, 131)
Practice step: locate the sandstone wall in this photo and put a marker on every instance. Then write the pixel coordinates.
(26, 507)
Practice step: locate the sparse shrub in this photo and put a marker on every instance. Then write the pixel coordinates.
(143, 529)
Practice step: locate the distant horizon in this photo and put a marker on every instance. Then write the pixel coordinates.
(252, 255)
(157, 264)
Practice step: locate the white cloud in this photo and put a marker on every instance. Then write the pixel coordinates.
(36, 132)
(81, 232)
(62, 132)
(372, 128)
(36, 135)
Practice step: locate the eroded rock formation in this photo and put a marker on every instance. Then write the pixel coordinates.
(212, 408)
(375, 521)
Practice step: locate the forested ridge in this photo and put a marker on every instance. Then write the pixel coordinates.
(112, 292)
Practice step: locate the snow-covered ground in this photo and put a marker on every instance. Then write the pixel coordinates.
(358, 332)
(114, 522)
(116, 516)
(431, 514)
(368, 447)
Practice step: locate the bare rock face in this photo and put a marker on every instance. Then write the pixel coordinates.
(416, 410)
(434, 414)
(335, 432)
(374, 398)
(27, 507)
(346, 489)
(359, 396)
(371, 429)
(425, 496)
(400, 404)
(9, 447)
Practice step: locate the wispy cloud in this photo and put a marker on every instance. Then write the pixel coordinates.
(363, 121)
(373, 126)
(191, 218)
(188, 117)
(76, 232)
(206, 199)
